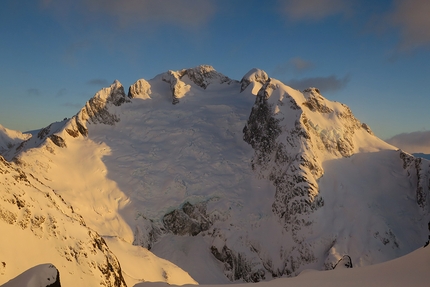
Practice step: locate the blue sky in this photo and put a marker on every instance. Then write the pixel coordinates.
(374, 56)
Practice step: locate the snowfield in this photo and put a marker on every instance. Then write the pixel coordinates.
(195, 178)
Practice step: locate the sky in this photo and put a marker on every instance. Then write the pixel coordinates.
(373, 56)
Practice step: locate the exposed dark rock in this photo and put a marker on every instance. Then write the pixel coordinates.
(73, 133)
(111, 268)
(290, 172)
(96, 110)
(262, 128)
(43, 132)
(204, 75)
(146, 232)
(315, 102)
(236, 266)
(418, 173)
(58, 141)
(188, 220)
(367, 128)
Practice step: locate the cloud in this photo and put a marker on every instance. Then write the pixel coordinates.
(324, 84)
(61, 93)
(33, 92)
(183, 13)
(75, 48)
(301, 65)
(412, 19)
(298, 10)
(296, 64)
(98, 82)
(414, 142)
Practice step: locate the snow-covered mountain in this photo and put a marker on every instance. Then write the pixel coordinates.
(230, 180)
(9, 138)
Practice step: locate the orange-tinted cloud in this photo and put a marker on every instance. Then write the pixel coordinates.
(126, 12)
(412, 19)
(414, 142)
(313, 10)
(324, 84)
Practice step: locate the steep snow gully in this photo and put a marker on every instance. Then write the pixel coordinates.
(193, 177)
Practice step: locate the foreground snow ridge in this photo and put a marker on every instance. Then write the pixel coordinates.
(195, 178)
(44, 275)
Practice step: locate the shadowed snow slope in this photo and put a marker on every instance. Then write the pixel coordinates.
(410, 270)
(44, 275)
(37, 226)
(230, 180)
(9, 138)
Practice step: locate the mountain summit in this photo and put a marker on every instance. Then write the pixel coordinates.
(230, 180)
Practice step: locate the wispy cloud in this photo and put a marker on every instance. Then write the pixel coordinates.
(411, 18)
(98, 82)
(296, 65)
(74, 49)
(324, 84)
(123, 13)
(33, 92)
(313, 10)
(300, 64)
(61, 93)
(414, 142)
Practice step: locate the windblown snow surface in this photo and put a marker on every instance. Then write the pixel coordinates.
(193, 177)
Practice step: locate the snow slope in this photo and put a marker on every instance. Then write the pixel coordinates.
(43, 275)
(230, 180)
(409, 270)
(9, 138)
(38, 226)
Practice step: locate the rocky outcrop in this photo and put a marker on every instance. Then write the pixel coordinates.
(254, 75)
(202, 76)
(177, 87)
(337, 140)
(187, 220)
(205, 75)
(280, 158)
(147, 232)
(418, 171)
(97, 110)
(141, 89)
(237, 266)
